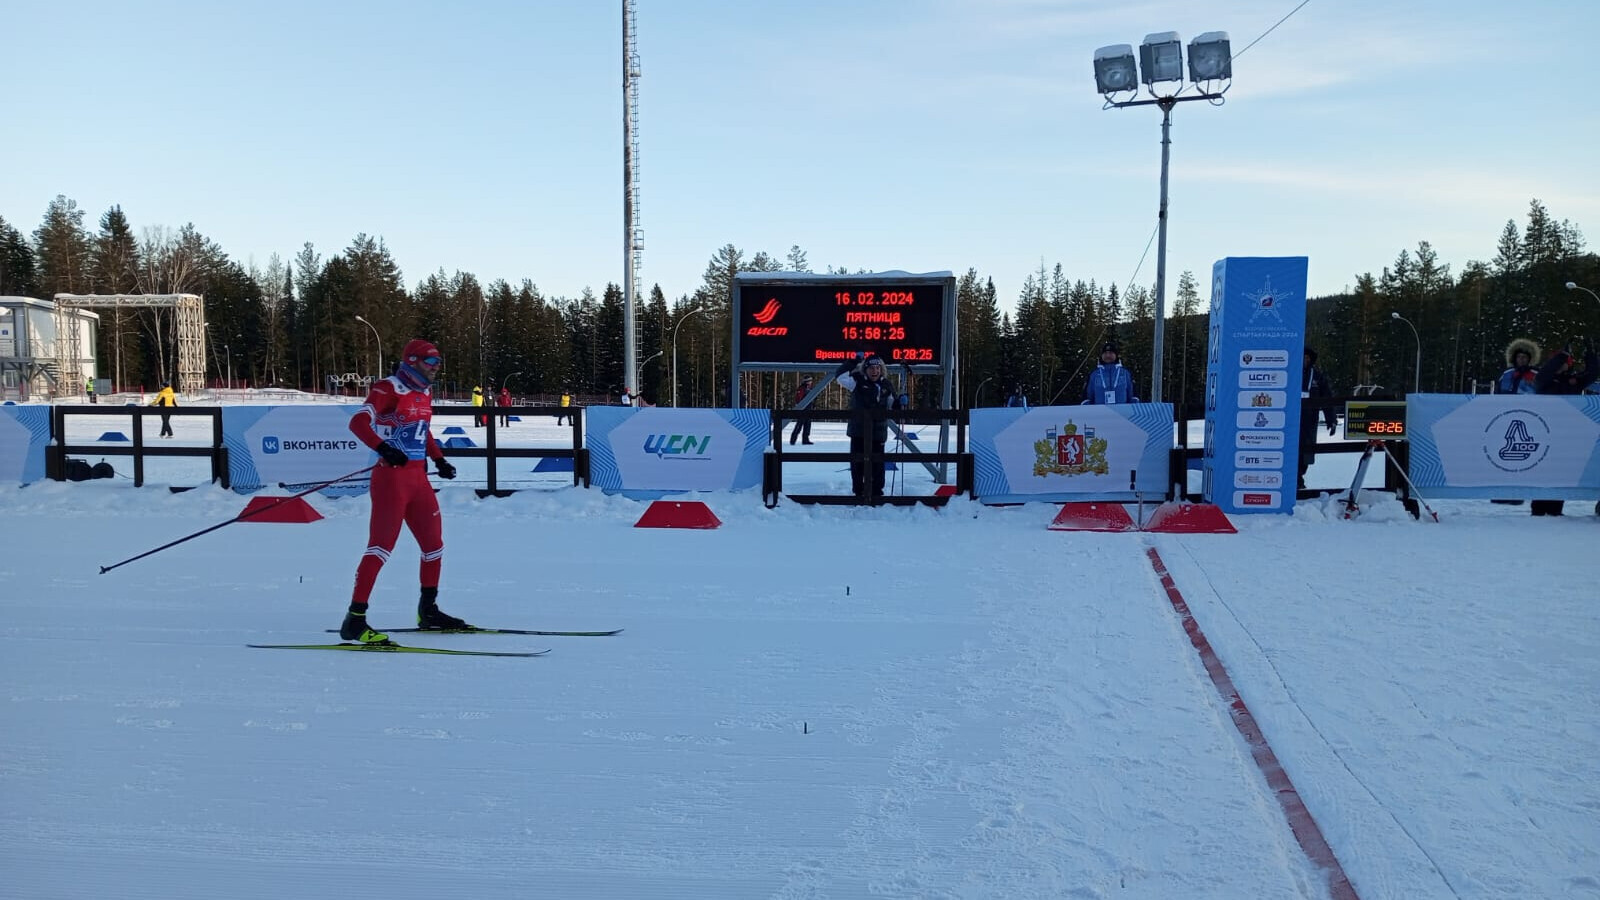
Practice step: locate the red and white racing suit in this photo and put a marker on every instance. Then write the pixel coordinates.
(399, 415)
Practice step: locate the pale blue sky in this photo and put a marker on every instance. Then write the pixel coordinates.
(879, 134)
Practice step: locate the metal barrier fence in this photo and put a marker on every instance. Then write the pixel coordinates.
(60, 450)
(872, 458)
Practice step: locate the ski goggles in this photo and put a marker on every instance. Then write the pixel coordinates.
(431, 360)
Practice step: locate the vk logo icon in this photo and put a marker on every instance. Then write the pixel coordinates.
(269, 444)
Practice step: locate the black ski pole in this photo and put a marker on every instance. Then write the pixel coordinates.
(240, 517)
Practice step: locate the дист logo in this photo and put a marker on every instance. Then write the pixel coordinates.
(765, 315)
(768, 312)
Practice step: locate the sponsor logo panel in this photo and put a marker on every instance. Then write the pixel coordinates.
(1263, 440)
(1258, 459)
(1263, 378)
(1261, 418)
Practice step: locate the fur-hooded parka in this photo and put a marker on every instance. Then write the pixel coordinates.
(1522, 344)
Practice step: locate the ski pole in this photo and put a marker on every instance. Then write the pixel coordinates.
(240, 517)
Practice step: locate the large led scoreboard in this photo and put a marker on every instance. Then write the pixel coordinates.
(795, 321)
(799, 322)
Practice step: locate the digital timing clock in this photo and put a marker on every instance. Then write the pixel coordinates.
(1375, 420)
(807, 321)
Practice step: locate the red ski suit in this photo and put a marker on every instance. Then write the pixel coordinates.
(399, 415)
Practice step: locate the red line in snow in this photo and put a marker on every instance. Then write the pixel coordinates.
(1304, 827)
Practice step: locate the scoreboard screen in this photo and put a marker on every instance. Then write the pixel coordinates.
(1375, 420)
(825, 320)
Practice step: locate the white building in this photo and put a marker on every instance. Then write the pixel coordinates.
(35, 363)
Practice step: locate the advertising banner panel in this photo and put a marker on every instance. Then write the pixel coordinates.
(24, 433)
(646, 453)
(1063, 453)
(1505, 446)
(296, 446)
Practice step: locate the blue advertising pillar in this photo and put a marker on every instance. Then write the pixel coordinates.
(1258, 317)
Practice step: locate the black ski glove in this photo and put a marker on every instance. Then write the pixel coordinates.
(392, 455)
(445, 469)
(844, 367)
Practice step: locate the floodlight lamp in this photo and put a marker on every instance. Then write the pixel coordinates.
(1115, 70)
(1572, 285)
(1161, 58)
(1394, 315)
(1210, 57)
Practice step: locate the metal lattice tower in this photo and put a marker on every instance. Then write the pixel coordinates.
(632, 234)
(189, 311)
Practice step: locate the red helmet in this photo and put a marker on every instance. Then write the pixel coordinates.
(419, 350)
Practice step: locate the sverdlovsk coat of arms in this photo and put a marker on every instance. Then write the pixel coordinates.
(1069, 453)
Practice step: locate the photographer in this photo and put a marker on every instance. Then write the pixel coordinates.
(864, 379)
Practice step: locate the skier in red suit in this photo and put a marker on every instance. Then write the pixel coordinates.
(394, 422)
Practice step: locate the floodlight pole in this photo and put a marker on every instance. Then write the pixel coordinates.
(1157, 367)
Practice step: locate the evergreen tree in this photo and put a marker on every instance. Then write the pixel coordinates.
(63, 250)
(797, 260)
(114, 269)
(18, 267)
(1186, 355)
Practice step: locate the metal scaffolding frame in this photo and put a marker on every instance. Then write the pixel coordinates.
(189, 313)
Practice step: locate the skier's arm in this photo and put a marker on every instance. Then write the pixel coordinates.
(379, 400)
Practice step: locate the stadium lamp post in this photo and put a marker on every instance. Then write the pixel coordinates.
(979, 392)
(640, 382)
(1161, 60)
(227, 354)
(375, 337)
(675, 328)
(1416, 378)
(1574, 286)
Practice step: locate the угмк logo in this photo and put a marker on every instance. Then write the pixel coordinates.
(682, 446)
(765, 315)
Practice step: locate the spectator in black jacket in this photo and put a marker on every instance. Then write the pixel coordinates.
(802, 428)
(1313, 386)
(864, 379)
(1557, 376)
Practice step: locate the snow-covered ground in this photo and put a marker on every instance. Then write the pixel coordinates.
(807, 702)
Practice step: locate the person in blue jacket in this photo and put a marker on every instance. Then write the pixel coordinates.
(1109, 382)
(1019, 397)
(1522, 376)
(864, 379)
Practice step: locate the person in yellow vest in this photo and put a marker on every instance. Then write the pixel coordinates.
(477, 406)
(566, 404)
(165, 400)
(88, 388)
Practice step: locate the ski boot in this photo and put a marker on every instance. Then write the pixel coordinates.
(431, 618)
(355, 629)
